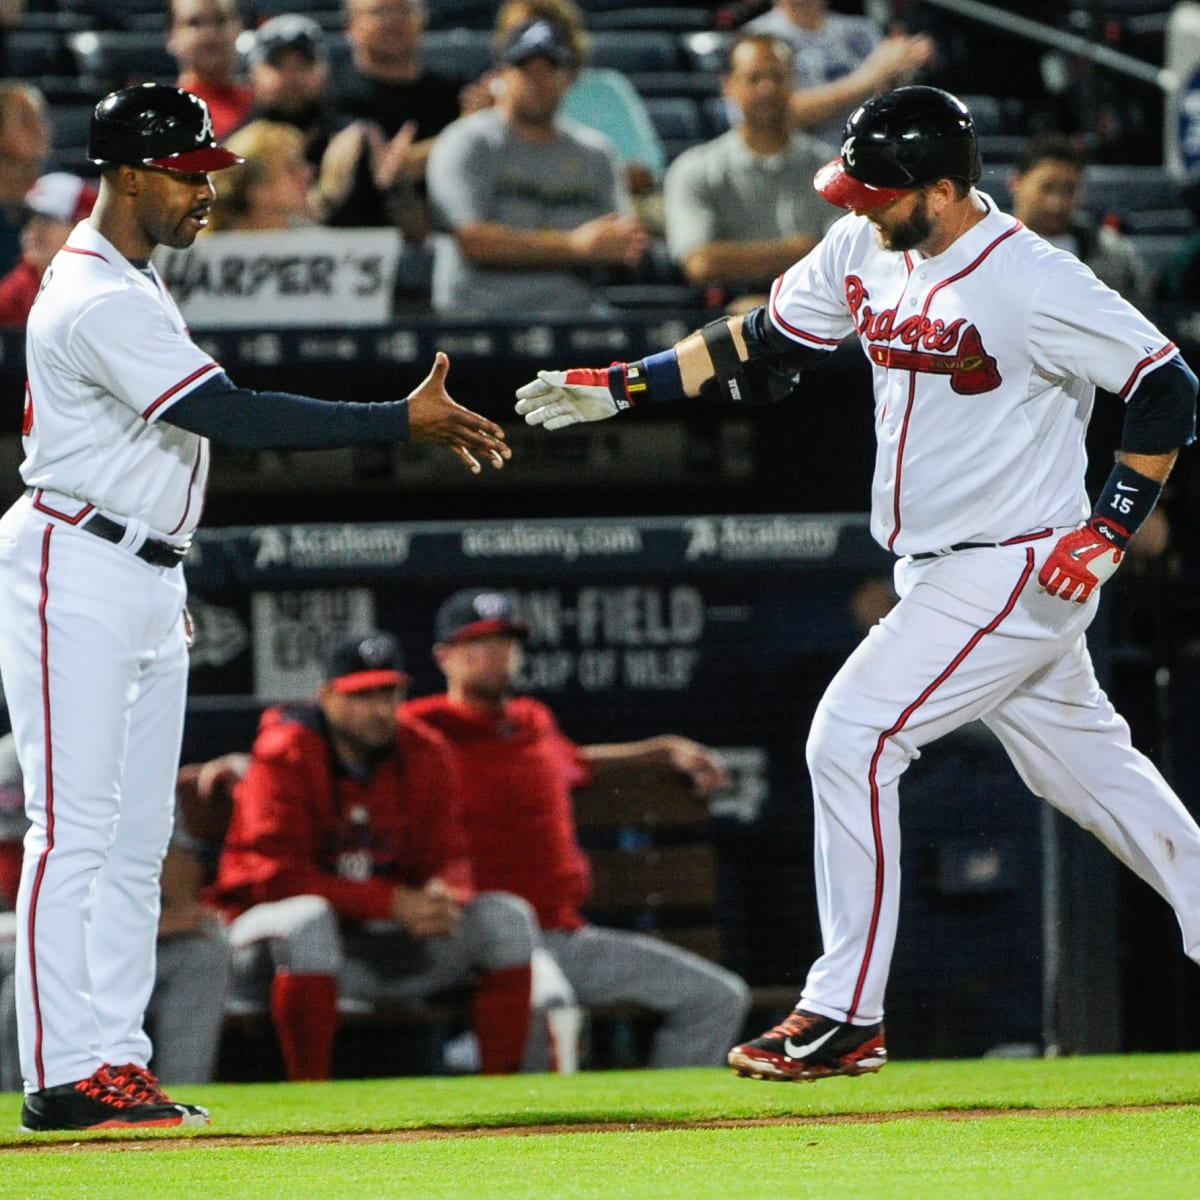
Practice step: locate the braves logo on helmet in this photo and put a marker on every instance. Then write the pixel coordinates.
(207, 133)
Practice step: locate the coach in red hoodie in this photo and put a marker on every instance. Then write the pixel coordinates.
(345, 871)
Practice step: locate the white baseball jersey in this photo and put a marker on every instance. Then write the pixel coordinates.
(107, 355)
(985, 359)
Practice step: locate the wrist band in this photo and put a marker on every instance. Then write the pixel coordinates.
(1127, 500)
(650, 380)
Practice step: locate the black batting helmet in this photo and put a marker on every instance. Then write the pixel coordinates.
(155, 125)
(900, 141)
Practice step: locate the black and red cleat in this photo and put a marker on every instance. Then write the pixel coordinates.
(98, 1103)
(142, 1085)
(807, 1046)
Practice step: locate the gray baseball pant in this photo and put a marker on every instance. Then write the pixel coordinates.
(703, 1004)
(380, 961)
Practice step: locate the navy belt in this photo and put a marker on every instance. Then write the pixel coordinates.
(956, 546)
(154, 551)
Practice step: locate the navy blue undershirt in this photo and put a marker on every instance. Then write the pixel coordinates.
(250, 420)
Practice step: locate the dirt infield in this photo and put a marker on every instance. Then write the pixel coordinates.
(125, 1142)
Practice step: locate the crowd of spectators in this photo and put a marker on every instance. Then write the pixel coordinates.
(525, 176)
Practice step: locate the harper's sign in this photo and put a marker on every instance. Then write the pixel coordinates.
(287, 277)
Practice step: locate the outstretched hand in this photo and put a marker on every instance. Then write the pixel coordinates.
(557, 399)
(434, 417)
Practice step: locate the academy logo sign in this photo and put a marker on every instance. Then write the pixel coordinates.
(324, 546)
(742, 539)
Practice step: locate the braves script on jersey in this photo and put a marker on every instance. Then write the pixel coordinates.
(985, 359)
(107, 355)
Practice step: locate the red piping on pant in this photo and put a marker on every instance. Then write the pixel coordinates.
(48, 758)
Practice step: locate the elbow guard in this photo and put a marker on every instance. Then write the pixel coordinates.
(757, 380)
(1160, 415)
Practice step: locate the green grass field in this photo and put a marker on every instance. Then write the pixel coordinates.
(1112, 1127)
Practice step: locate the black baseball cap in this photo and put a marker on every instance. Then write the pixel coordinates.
(365, 661)
(535, 39)
(477, 612)
(291, 31)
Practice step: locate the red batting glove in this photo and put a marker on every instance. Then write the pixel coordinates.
(1082, 560)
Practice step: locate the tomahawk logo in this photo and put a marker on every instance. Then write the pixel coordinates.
(972, 370)
(928, 345)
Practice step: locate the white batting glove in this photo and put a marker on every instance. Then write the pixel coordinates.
(557, 399)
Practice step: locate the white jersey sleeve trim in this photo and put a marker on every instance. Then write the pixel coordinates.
(172, 393)
(800, 335)
(1149, 361)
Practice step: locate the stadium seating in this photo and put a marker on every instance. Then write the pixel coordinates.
(70, 124)
(671, 53)
(1127, 188)
(679, 121)
(122, 14)
(113, 58)
(328, 13)
(459, 53)
(34, 53)
(705, 51)
(633, 52)
(678, 20)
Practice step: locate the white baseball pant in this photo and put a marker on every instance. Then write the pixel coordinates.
(972, 637)
(94, 661)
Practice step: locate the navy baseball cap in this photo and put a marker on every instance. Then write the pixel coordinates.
(537, 39)
(477, 612)
(364, 662)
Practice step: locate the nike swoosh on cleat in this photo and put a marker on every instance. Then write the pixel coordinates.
(792, 1050)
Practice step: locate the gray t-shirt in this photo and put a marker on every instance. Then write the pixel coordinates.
(480, 170)
(722, 191)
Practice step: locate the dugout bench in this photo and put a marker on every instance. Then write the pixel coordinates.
(654, 868)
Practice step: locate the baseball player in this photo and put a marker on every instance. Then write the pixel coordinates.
(987, 345)
(119, 407)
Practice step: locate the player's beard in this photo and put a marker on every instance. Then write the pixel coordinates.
(911, 232)
(367, 745)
